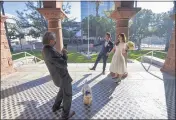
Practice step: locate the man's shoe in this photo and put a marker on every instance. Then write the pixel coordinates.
(69, 116)
(55, 108)
(92, 68)
(103, 73)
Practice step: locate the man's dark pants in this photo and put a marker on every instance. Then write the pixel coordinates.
(65, 95)
(100, 56)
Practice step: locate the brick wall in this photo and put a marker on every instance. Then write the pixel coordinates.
(6, 57)
(169, 65)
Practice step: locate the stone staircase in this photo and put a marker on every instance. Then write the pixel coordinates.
(83, 67)
(32, 82)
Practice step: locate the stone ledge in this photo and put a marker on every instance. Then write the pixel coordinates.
(156, 61)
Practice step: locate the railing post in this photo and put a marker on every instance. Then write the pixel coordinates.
(25, 57)
(152, 57)
(35, 60)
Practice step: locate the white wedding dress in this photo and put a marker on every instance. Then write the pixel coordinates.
(118, 63)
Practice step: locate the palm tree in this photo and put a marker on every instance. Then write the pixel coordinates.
(5, 23)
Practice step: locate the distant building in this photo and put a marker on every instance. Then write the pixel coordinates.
(89, 8)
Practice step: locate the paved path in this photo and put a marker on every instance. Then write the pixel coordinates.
(29, 94)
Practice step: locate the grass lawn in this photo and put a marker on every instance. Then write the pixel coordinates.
(74, 57)
(136, 54)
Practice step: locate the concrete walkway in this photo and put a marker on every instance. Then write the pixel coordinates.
(29, 94)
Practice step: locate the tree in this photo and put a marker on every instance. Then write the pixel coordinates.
(103, 25)
(92, 25)
(11, 33)
(31, 18)
(20, 36)
(5, 23)
(112, 24)
(164, 26)
(139, 26)
(19, 32)
(70, 28)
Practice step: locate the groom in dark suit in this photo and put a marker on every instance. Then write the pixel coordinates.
(107, 46)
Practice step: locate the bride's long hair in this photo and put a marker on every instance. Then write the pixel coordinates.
(123, 39)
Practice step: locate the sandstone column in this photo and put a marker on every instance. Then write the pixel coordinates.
(53, 12)
(6, 57)
(169, 65)
(122, 13)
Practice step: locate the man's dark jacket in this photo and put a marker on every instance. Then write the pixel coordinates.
(105, 49)
(57, 65)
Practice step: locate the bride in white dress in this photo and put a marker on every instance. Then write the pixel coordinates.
(118, 63)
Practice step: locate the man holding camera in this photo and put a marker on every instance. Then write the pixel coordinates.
(56, 63)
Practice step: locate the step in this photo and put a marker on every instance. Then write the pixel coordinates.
(154, 60)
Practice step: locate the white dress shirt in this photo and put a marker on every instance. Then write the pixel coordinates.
(106, 43)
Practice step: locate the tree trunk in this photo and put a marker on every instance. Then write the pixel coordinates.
(139, 45)
(21, 44)
(5, 23)
(167, 44)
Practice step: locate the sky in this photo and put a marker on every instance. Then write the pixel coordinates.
(156, 7)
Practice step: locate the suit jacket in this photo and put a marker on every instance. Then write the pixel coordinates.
(106, 49)
(56, 64)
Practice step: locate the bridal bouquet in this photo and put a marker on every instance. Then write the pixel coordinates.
(130, 45)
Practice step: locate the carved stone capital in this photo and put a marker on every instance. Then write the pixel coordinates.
(52, 13)
(124, 13)
(52, 4)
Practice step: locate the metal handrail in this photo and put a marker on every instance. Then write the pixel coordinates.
(25, 54)
(33, 55)
(151, 57)
(149, 53)
(143, 55)
(17, 53)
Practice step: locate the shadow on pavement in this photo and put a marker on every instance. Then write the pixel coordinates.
(102, 92)
(32, 110)
(22, 87)
(77, 88)
(169, 85)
